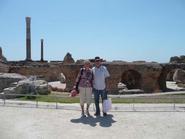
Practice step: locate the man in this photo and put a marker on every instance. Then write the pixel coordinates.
(100, 73)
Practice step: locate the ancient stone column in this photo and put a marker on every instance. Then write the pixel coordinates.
(1, 53)
(42, 50)
(28, 39)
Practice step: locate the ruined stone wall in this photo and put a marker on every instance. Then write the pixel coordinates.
(46, 71)
(145, 76)
(148, 73)
(170, 68)
(4, 68)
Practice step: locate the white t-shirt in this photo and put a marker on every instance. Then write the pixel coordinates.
(99, 77)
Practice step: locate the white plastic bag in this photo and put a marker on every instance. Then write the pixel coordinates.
(107, 105)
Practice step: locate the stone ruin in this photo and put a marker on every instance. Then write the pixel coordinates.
(176, 59)
(68, 59)
(146, 76)
(149, 77)
(2, 58)
(3, 61)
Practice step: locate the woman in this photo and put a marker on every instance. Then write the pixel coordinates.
(84, 85)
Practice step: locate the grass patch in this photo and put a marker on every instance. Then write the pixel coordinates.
(148, 100)
(152, 99)
(53, 99)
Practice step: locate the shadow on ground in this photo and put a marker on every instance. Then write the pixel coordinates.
(106, 121)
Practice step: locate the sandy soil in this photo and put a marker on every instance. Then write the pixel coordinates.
(42, 123)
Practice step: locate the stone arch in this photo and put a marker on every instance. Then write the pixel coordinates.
(165, 78)
(132, 79)
(169, 76)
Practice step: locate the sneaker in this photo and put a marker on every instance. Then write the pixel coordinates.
(104, 114)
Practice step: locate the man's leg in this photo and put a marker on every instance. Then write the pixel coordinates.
(104, 94)
(103, 97)
(96, 100)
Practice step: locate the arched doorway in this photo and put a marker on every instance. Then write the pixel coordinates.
(132, 79)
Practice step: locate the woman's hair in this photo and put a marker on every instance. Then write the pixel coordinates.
(86, 62)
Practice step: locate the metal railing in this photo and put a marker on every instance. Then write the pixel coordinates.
(30, 97)
(129, 103)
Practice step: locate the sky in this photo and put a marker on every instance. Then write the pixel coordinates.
(128, 30)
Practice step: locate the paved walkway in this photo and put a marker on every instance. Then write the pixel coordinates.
(44, 123)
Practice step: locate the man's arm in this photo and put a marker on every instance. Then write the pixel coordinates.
(106, 83)
(107, 75)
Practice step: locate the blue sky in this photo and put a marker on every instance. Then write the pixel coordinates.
(129, 30)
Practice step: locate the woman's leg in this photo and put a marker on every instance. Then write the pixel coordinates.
(82, 99)
(82, 109)
(87, 110)
(88, 99)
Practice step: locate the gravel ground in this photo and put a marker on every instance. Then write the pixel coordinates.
(44, 123)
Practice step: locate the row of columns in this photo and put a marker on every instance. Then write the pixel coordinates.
(28, 41)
